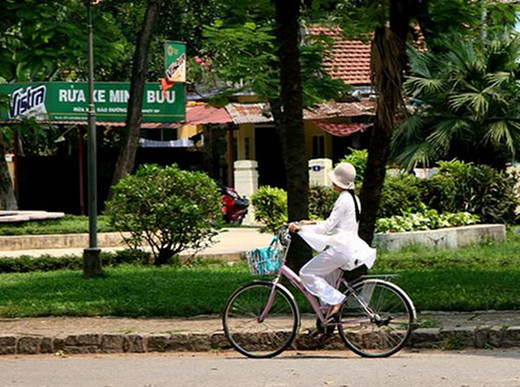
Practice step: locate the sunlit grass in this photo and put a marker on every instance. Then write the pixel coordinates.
(471, 278)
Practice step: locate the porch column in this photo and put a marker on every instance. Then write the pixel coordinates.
(229, 155)
(246, 183)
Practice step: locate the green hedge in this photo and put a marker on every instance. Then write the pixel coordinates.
(26, 264)
(478, 189)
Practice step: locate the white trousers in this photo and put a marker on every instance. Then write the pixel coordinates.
(320, 274)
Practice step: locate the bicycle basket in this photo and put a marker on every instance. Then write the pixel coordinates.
(267, 260)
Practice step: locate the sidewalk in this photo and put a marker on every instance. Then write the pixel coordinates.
(72, 335)
(69, 335)
(230, 243)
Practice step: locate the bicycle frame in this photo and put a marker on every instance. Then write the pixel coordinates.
(261, 319)
(320, 310)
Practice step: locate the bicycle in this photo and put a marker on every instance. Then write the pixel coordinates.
(261, 319)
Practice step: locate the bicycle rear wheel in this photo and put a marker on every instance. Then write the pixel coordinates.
(387, 327)
(255, 338)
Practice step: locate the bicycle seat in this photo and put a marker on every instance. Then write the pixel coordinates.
(354, 274)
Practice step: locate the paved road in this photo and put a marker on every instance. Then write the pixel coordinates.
(425, 369)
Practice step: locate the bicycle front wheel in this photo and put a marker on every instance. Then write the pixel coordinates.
(254, 337)
(377, 318)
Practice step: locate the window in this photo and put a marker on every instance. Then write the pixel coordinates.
(318, 147)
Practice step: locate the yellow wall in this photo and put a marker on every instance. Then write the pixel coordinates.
(245, 138)
(248, 131)
(187, 131)
(311, 130)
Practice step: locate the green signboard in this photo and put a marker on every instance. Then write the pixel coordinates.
(68, 101)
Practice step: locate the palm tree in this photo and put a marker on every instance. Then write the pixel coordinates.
(467, 104)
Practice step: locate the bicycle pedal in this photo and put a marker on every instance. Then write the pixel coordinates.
(313, 332)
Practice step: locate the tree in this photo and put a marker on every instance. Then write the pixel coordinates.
(126, 160)
(291, 117)
(44, 41)
(265, 55)
(468, 104)
(389, 64)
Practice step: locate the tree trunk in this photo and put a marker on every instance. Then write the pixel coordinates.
(291, 128)
(387, 63)
(7, 196)
(126, 160)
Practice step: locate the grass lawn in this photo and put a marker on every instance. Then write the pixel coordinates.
(471, 278)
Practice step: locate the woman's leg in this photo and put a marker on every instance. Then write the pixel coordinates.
(319, 276)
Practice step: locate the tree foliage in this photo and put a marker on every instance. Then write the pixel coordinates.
(467, 104)
(48, 40)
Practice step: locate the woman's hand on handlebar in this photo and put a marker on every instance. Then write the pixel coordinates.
(296, 226)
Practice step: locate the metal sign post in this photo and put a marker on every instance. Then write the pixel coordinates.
(92, 254)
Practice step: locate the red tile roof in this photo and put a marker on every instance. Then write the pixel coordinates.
(350, 59)
(205, 114)
(242, 113)
(333, 109)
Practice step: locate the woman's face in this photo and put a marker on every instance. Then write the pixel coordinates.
(337, 188)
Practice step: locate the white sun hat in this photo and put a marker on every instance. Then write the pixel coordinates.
(343, 175)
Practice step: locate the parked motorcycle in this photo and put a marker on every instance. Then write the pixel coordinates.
(234, 206)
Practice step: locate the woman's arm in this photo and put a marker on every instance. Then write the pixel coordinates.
(339, 211)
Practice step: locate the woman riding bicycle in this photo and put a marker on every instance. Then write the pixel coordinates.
(337, 239)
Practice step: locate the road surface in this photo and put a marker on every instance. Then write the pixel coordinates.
(425, 368)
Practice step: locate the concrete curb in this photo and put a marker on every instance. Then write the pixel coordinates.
(446, 238)
(30, 242)
(440, 338)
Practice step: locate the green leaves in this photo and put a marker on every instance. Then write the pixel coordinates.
(270, 207)
(468, 104)
(423, 218)
(244, 57)
(168, 208)
(42, 40)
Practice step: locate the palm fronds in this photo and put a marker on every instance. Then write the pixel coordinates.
(470, 103)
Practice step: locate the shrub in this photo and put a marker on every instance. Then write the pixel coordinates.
(478, 189)
(321, 201)
(514, 173)
(270, 207)
(358, 158)
(170, 209)
(401, 192)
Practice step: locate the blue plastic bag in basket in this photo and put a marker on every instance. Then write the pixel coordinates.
(266, 260)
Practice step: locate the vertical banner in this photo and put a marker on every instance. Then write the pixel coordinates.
(174, 63)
